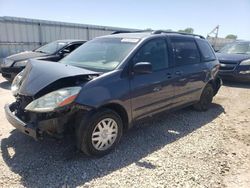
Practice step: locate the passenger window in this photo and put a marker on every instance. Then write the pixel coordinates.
(185, 51)
(154, 52)
(206, 50)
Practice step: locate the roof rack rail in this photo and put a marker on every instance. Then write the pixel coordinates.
(118, 32)
(162, 31)
(136, 31)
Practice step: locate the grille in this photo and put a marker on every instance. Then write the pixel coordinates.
(23, 101)
(227, 65)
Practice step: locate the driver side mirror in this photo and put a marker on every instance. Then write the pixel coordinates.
(143, 68)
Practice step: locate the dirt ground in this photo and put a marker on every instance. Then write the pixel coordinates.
(181, 149)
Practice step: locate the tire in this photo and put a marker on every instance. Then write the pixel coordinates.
(89, 132)
(205, 99)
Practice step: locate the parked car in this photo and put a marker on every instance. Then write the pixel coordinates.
(235, 61)
(53, 51)
(106, 85)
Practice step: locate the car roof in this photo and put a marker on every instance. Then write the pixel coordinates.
(129, 35)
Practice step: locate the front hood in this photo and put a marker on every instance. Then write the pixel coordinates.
(26, 55)
(232, 57)
(40, 74)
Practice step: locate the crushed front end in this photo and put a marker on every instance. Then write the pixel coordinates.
(36, 124)
(45, 103)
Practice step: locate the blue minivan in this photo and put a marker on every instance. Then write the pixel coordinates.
(107, 84)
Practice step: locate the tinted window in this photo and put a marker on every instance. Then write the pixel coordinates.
(206, 50)
(185, 51)
(154, 52)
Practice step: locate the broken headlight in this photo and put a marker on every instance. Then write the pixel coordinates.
(53, 100)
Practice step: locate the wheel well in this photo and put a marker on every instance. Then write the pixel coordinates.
(215, 84)
(121, 112)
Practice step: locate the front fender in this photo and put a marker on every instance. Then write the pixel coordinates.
(94, 97)
(106, 89)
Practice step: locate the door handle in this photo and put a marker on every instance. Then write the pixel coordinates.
(178, 72)
(156, 89)
(169, 75)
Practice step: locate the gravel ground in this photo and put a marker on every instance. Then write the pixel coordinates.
(180, 149)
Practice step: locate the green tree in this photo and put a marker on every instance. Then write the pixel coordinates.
(231, 36)
(187, 30)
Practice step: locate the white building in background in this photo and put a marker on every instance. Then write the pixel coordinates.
(21, 34)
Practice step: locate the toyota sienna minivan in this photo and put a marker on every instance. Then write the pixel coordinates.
(107, 84)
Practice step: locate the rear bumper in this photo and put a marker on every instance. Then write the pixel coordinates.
(241, 73)
(25, 128)
(10, 72)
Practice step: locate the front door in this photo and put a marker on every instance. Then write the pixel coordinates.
(153, 92)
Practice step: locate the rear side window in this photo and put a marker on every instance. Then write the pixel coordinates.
(185, 51)
(206, 50)
(155, 52)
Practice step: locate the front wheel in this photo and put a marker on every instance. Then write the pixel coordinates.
(205, 99)
(100, 133)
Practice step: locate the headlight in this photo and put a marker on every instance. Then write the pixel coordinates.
(16, 83)
(245, 62)
(53, 100)
(20, 63)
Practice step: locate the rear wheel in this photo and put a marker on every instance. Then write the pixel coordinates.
(205, 99)
(98, 134)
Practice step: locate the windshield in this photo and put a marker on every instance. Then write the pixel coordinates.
(236, 48)
(51, 48)
(102, 54)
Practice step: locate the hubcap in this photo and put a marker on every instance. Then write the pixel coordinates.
(104, 134)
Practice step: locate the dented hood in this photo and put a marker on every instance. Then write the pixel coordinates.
(39, 74)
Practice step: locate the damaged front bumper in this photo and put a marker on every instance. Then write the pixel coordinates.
(53, 124)
(26, 128)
